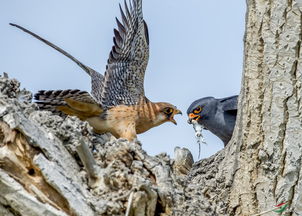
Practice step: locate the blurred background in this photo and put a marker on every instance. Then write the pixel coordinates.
(196, 50)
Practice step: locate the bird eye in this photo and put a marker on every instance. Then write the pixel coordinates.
(168, 110)
(197, 110)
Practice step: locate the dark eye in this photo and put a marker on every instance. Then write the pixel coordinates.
(168, 110)
(197, 110)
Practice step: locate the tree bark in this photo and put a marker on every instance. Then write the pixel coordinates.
(51, 165)
(261, 166)
(55, 166)
(269, 130)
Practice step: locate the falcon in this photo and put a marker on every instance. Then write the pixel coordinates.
(117, 103)
(215, 115)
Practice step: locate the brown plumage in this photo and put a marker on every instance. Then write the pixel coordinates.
(127, 121)
(117, 103)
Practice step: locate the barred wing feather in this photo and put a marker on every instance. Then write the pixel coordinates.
(123, 81)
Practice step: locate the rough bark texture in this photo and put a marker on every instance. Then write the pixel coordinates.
(55, 166)
(261, 166)
(270, 139)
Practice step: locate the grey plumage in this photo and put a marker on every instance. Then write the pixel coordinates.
(216, 115)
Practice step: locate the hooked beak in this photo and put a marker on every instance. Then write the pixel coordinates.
(177, 112)
(193, 116)
(172, 117)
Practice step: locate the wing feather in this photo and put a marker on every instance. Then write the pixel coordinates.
(123, 81)
(229, 103)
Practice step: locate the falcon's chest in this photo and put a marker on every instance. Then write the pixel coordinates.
(121, 114)
(123, 119)
(142, 117)
(116, 120)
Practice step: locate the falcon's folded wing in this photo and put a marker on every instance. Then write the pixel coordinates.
(229, 104)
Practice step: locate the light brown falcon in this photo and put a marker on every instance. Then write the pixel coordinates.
(117, 103)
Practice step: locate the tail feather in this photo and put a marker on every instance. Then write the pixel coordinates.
(96, 77)
(84, 67)
(68, 102)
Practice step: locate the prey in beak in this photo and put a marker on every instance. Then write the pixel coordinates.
(192, 117)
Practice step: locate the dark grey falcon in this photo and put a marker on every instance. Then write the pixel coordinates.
(215, 115)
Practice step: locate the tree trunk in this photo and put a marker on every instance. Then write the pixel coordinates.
(269, 129)
(47, 168)
(261, 166)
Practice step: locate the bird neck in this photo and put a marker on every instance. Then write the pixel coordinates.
(147, 110)
(149, 116)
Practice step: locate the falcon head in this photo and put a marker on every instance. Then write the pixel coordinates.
(202, 109)
(166, 112)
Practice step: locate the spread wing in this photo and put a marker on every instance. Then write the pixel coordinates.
(96, 77)
(123, 81)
